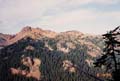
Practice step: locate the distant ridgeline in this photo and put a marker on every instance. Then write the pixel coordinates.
(41, 55)
(110, 58)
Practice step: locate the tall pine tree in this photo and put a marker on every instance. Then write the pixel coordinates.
(111, 53)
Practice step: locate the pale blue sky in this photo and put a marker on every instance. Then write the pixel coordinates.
(87, 16)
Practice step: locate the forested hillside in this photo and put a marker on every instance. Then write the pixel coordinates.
(68, 56)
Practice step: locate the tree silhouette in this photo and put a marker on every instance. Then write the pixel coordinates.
(111, 53)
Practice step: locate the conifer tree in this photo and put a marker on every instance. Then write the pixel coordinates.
(111, 53)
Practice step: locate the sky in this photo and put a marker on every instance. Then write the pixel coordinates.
(87, 16)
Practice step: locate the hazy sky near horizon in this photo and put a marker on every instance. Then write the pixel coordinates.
(87, 16)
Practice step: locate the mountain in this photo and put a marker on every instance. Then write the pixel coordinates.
(4, 38)
(27, 31)
(34, 54)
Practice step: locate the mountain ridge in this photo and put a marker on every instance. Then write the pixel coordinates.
(35, 33)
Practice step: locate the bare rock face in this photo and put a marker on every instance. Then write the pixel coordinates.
(36, 33)
(32, 64)
(29, 48)
(72, 33)
(69, 66)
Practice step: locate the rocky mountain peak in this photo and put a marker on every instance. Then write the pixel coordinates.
(26, 29)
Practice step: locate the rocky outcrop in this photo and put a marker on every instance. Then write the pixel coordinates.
(32, 64)
(69, 66)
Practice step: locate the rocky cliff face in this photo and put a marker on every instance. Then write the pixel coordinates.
(65, 56)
